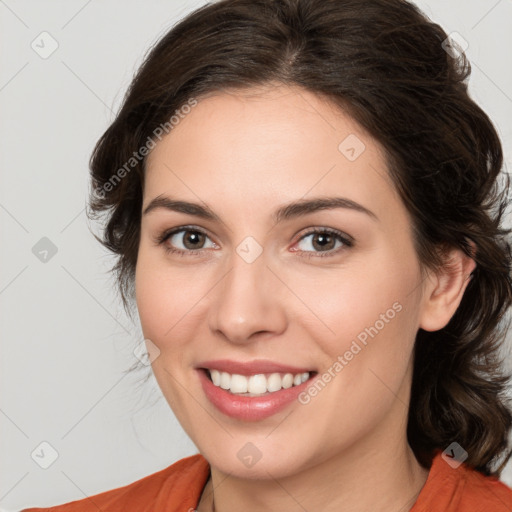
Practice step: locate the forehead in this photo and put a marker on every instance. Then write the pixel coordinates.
(265, 145)
(273, 118)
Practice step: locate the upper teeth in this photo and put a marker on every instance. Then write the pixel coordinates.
(257, 384)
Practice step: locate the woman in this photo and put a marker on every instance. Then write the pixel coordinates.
(305, 206)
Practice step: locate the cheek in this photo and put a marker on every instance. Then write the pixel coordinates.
(367, 318)
(351, 300)
(366, 353)
(167, 298)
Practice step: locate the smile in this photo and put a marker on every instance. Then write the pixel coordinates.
(253, 390)
(256, 385)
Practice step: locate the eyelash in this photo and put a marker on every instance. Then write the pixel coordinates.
(342, 237)
(168, 234)
(345, 239)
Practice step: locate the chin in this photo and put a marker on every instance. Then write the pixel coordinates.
(257, 459)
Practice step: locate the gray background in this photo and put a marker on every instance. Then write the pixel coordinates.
(66, 341)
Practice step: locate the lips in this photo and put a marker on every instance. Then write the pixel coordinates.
(255, 403)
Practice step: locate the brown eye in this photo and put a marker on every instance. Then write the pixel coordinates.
(193, 239)
(323, 241)
(186, 240)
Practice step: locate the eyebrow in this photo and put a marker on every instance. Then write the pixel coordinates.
(288, 211)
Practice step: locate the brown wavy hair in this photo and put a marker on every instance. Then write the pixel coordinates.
(385, 63)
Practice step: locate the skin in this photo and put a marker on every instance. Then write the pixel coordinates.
(245, 154)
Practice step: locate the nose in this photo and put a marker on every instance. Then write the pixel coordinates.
(248, 303)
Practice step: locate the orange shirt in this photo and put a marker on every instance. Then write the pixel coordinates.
(178, 488)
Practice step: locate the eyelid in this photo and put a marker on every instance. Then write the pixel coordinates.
(166, 234)
(320, 229)
(346, 240)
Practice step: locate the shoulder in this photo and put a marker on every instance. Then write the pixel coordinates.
(483, 491)
(183, 481)
(459, 488)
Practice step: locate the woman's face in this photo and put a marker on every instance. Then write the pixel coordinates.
(254, 268)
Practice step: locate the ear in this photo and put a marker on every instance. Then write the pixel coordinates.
(444, 289)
